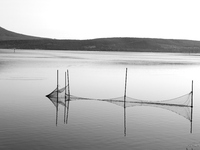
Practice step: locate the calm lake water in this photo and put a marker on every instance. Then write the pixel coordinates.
(28, 117)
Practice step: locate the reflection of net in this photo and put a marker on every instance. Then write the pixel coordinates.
(180, 105)
(194, 146)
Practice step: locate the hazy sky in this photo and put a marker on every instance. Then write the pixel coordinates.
(85, 19)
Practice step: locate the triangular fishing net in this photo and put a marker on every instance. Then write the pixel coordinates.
(180, 105)
(58, 96)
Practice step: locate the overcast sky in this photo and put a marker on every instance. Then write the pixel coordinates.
(86, 19)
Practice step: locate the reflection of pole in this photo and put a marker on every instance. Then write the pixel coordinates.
(125, 103)
(124, 121)
(67, 112)
(57, 114)
(191, 120)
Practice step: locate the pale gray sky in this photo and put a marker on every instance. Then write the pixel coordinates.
(85, 19)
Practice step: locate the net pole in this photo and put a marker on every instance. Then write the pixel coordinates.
(57, 100)
(57, 86)
(192, 95)
(68, 83)
(125, 103)
(125, 88)
(65, 84)
(68, 97)
(65, 100)
(191, 109)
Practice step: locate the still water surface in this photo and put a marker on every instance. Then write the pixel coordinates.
(28, 118)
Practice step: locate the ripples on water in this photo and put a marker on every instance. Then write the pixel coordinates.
(28, 117)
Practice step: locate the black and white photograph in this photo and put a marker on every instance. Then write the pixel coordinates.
(99, 75)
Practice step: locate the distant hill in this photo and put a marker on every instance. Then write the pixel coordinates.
(9, 35)
(9, 40)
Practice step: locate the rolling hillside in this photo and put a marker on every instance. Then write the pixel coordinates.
(9, 40)
(9, 35)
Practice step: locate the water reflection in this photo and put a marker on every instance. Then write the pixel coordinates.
(182, 105)
(193, 146)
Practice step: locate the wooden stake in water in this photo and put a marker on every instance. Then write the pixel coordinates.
(125, 103)
(57, 102)
(65, 84)
(125, 88)
(192, 95)
(68, 96)
(65, 99)
(57, 86)
(68, 83)
(191, 108)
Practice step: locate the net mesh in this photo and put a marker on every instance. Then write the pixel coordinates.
(180, 105)
(58, 96)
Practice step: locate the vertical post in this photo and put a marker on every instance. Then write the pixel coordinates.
(192, 95)
(57, 101)
(125, 89)
(68, 83)
(68, 97)
(65, 84)
(125, 103)
(57, 86)
(191, 108)
(65, 100)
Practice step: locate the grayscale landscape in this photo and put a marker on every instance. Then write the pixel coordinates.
(101, 93)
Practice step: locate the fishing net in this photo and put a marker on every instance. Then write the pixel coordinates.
(58, 96)
(180, 105)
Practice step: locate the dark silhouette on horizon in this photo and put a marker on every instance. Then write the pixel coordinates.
(11, 40)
